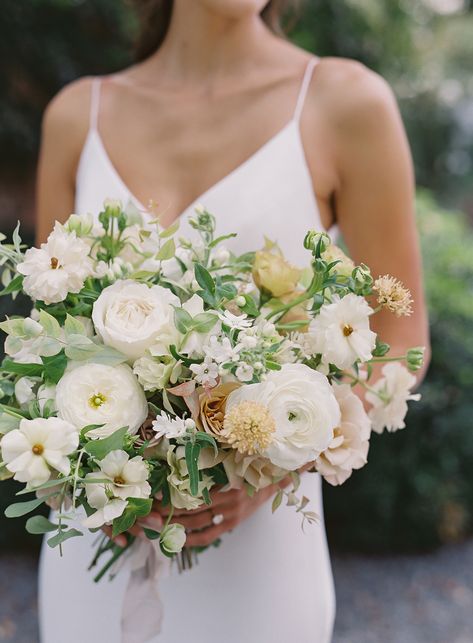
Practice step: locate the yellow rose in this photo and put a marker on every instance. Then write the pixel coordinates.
(334, 253)
(273, 273)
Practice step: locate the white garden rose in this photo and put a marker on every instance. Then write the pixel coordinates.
(349, 447)
(101, 394)
(58, 267)
(173, 538)
(289, 418)
(37, 446)
(390, 396)
(132, 317)
(341, 332)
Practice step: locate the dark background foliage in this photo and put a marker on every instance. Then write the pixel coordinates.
(417, 491)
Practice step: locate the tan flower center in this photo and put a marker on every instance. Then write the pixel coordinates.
(249, 427)
(55, 263)
(347, 330)
(97, 400)
(38, 449)
(119, 480)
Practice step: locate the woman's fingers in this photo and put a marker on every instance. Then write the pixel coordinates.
(218, 498)
(208, 536)
(120, 540)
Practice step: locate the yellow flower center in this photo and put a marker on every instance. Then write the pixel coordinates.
(249, 427)
(97, 400)
(38, 449)
(119, 480)
(347, 330)
(55, 263)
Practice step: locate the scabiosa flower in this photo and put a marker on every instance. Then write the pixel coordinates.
(249, 427)
(392, 294)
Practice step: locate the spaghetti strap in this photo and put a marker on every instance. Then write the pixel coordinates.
(95, 104)
(304, 87)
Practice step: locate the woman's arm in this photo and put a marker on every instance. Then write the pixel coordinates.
(64, 130)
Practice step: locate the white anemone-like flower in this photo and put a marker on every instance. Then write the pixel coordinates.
(133, 317)
(101, 394)
(299, 408)
(341, 332)
(37, 446)
(58, 267)
(128, 479)
(393, 391)
(349, 447)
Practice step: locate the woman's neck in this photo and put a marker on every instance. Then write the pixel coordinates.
(202, 47)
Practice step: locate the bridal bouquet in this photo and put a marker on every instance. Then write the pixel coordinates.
(153, 366)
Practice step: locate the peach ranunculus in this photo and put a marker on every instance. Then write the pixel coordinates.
(273, 273)
(349, 447)
(257, 471)
(212, 408)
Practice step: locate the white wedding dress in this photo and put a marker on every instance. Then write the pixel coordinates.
(268, 582)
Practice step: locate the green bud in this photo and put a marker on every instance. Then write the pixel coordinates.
(172, 539)
(362, 276)
(316, 242)
(81, 224)
(113, 207)
(415, 358)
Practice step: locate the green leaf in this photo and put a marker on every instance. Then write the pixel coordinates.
(8, 423)
(18, 509)
(15, 326)
(48, 346)
(204, 278)
(46, 485)
(73, 326)
(204, 322)
(192, 453)
(182, 319)
(33, 370)
(54, 367)
(50, 324)
(14, 285)
(277, 500)
(136, 508)
(62, 536)
(250, 307)
(202, 437)
(223, 237)
(170, 230)
(80, 347)
(99, 448)
(167, 250)
(108, 355)
(151, 534)
(40, 525)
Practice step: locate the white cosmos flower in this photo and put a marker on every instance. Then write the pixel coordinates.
(236, 322)
(349, 447)
(341, 331)
(101, 394)
(205, 373)
(303, 407)
(37, 446)
(171, 427)
(58, 267)
(128, 479)
(132, 317)
(390, 409)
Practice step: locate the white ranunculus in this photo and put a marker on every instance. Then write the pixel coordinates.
(37, 446)
(101, 394)
(128, 479)
(304, 408)
(132, 317)
(24, 390)
(393, 391)
(349, 447)
(173, 538)
(60, 266)
(341, 332)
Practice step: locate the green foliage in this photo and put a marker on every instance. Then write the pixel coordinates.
(417, 490)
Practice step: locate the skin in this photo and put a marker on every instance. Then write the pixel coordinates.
(218, 88)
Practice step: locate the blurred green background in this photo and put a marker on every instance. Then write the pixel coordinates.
(418, 490)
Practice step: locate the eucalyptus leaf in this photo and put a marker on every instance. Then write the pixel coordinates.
(62, 536)
(50, 324)
(277, 500)
(204, 322)
(167, 251)
(73, 326)
(18, 509)
(40, 525)
(99, 448)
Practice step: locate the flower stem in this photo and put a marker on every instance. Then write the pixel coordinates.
(117, 554)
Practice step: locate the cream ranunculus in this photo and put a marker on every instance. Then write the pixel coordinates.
(341, 332)
(257, 471)
(101, 394)
(133, 317)
(37, 446)
(58, 267)
(349, 448)
(390, 396)
(273, 273)
(295, 413)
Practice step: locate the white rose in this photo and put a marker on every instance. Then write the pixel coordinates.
(173, 538)
(303, 409)
(101, 394)
(132, 317)
(349, 447)
(341, 332)
(391, 397)
(37, 446)
(58, 267)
